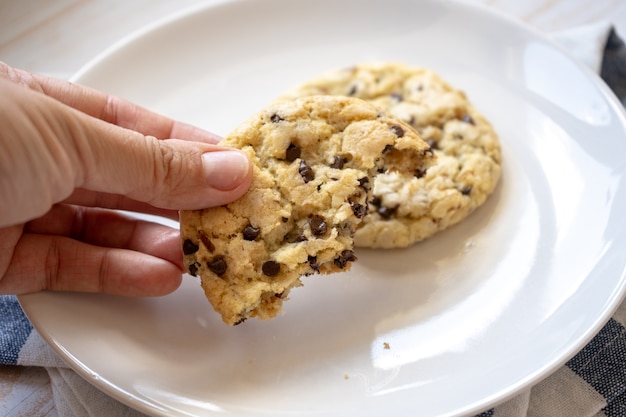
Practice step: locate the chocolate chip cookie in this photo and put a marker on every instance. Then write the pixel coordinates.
(315, 161)
(467, 148)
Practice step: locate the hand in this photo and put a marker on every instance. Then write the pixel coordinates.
(69, 156)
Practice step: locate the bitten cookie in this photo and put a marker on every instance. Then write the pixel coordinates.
(314, 159)
(467, 149)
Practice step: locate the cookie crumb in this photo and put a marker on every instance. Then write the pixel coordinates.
(386, 346)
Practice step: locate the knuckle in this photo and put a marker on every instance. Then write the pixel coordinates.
(167, 170)
(110, 110)
(103, 272)
(52, 266)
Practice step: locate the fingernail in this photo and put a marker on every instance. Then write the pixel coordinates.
(225, 170)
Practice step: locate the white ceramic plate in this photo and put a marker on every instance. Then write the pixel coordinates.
(470, 317)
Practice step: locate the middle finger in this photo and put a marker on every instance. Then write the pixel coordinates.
(108, 228)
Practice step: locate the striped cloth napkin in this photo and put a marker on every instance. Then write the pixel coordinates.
(591, 384)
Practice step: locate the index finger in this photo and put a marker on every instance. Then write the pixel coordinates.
(109, 108)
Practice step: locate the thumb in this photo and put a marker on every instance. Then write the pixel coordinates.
(52, 149)
(170, 173)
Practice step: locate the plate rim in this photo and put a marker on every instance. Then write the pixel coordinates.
(618, 294)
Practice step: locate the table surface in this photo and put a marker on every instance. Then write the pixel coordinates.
(41, 36)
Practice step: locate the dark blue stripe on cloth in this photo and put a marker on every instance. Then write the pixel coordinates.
(602, 363)
(616, 407)
(488, 413)
(14, 329)
(613, 70)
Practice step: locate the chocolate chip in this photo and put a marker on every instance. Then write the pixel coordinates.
(301, 238)
(313, 263)
(386, 212)
(189, 247)
(292, 153)
(250, 232)
(397, 97)
(193, 268)
(338, 162)
(318, 226)
(364, 183)
(352, 90)
(359, 209)
(206, 241)
(270, 268)
(278, 295)
(399, 132)
(275, 118)
(432, 143)
(468, 119)
(466, 190)
(217, 266)
(419, 173)
(285, 219)
(241, 320)
(306, 172)
(346, 256)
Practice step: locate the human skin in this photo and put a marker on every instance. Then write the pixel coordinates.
(70, 157)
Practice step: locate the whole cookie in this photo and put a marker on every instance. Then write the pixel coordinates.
(314, 159)
(467, 148)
